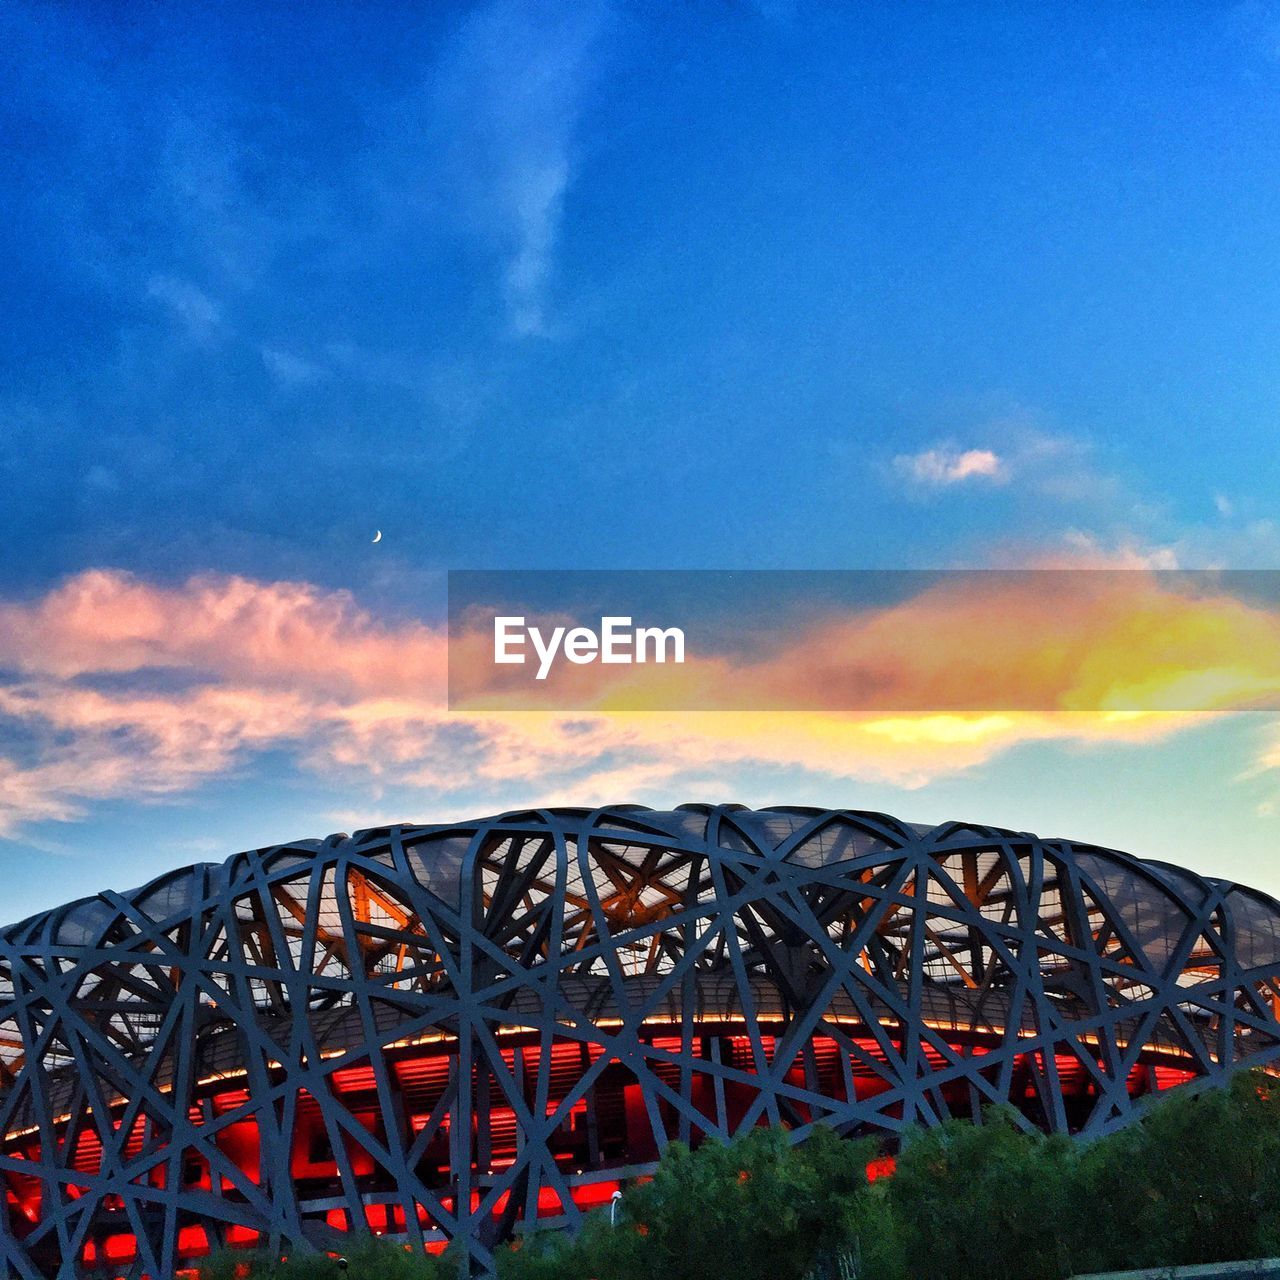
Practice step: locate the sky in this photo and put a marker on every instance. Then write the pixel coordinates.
(606, 285)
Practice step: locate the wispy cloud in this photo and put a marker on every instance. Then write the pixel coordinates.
(512, 88)
(1014, 447)
(946, 465)
(1105, 519)
(194, 310)
(291, 370)
(1081, 549)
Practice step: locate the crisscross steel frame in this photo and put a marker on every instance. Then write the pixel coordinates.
(716, 967)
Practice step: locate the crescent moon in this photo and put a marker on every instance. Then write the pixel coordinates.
(377, 537)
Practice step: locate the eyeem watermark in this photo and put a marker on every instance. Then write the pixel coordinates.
(617, 642)
(882, 643)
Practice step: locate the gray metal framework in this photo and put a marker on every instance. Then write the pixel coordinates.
(451, 1031)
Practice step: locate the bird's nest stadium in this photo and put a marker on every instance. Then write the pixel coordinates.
(457, 1032)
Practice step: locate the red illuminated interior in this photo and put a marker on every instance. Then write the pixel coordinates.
(602, 1134)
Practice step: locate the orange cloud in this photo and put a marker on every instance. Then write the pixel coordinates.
(973, 643)
(360, 701)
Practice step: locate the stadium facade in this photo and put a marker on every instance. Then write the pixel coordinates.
(458, 1031)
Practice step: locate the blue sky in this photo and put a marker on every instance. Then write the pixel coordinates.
(611, 285)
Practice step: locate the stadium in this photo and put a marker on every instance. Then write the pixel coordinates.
(455, 1032)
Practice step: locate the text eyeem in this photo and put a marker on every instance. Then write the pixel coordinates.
(617, 641)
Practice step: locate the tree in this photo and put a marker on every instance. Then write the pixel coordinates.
(758, 1208)
(985, 1202)
(367, 1257)
(599, 1252)
(1198, 1180)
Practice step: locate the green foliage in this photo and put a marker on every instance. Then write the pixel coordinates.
(1197, 1180)
(985, 1202)
(756, 1209)
(598, 1252)
(368, 1258)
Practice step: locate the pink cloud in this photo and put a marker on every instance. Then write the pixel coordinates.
(360, 702)
(288, 633)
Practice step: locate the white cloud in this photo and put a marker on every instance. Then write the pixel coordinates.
(946, 465)
(1083, 550)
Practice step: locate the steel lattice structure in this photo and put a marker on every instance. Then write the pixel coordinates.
(452, 1031)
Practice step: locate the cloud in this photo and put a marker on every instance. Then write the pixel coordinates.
(511, 90)
(1074, 504)
(1079, 549)
(944, 466)
(1052, 468)
(291, 370)
(972, 646)
(92, 745)
(198, 314)
(1134, 533)
(121, 688)
(282, 634)
(1057, 466)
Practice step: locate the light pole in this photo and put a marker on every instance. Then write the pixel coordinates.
(614, 1201)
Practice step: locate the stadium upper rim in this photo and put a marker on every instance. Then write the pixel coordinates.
(685, 823)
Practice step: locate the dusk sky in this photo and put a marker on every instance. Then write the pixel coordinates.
(589, 285)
